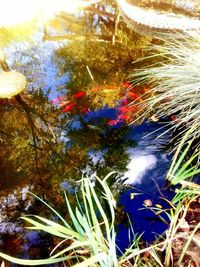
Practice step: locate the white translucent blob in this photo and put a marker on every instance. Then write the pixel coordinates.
(11, 83)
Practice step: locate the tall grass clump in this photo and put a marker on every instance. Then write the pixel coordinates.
(174, 79)
(89, 237)
(89, 240)
(183, 167)
(180, 244)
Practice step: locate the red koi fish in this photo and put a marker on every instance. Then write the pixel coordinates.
(69, 107)
(124, 101)
(80, 94)
(58, 100)
(113, 122)
(127, 85)
(122, 117)
(84, 109)
(124, 109)
(132, 95)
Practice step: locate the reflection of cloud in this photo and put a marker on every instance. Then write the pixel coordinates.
(141, 162)
(144, 157)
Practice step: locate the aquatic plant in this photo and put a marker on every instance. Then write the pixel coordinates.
(179, 246)
(91, 235)
(183, 167)
(89, 240)
(175, 84)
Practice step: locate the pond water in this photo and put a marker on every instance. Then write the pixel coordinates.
(79, 103)
(140, 162)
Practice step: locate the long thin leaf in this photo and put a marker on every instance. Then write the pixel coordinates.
(73, 218)
(32, 262)
(74, 245)
(94, 259)
(54, 211)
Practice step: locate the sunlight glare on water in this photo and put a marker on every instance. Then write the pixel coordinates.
(15, 12)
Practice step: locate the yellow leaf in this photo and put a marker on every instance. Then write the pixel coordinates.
(158, 206)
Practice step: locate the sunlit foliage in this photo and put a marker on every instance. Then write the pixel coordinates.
(99, 53)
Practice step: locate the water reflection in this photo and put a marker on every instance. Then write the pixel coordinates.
(88, 138)
(79, 102)
(93, 146)
(147, 189)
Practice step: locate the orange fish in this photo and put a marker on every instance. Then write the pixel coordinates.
(132, 95)
(113, 122)
(64, 103)
(69, 107)
(124, 109)
(80, 94)
(127, 85)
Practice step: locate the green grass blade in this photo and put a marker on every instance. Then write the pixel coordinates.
(188, 162)
(74, 245)
(94, 259)
(76, 224)
(32, 262)
(54, 211)
(184, 177)
(180, 160)
(54, 230)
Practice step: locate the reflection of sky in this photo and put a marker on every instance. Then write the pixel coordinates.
(35, 61)
(139, 165)
(146, 156)
(96, 156)
(76, 125)
(102, 113)
(146, 174)
(146, 163)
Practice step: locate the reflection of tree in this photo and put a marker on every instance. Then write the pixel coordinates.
(18, 154)
(96, 136)
(57, 158)
(30, 135)
(97, 64)
(100, 51)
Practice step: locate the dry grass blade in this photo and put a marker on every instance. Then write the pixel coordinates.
(175, 82)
